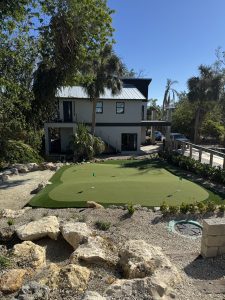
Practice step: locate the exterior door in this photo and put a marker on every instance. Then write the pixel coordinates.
(67, 111)
(129, 141)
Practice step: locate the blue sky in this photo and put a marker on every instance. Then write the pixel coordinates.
(168, 38)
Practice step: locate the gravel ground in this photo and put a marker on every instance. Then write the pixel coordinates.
(201, 277)
(15, 193)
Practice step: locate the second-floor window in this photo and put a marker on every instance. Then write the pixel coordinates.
(120, 107)
(67, 111)
(99, 107)
(143, 112)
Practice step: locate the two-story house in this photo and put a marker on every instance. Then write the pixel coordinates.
(120, 119)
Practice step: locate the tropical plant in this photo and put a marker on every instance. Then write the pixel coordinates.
(104, 71)
(203, 90)
(84, 145)
(169, 92)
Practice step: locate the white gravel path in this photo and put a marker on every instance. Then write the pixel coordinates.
(15, 193)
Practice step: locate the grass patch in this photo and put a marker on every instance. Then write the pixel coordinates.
(101, 225)
(4, 262)
(145, 182)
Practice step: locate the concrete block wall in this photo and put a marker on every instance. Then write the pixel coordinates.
(213, 237)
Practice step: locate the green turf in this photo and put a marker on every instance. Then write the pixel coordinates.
(148, 183)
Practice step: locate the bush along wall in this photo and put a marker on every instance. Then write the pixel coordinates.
(18, 152)
(215, 174)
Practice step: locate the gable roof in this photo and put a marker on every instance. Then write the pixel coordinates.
(128, 92)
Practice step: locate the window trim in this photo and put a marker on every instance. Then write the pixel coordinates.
(99, 112)
(120, 102)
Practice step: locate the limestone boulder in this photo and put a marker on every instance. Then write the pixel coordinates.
(14, 171)
(33, 291)
(30, 254)
(139, 259)
(49, 276)
(75, 233)
(97, 250)
(92, 204)
(5, 178)
(12, 280)
(7, 234)
(75, 276)
(141, 289)
(93, 296)
(32, 167)
(45, 227)
(10, 213)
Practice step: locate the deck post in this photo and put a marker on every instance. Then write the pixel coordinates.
(211, 159)
(190, 151)
(200, 155)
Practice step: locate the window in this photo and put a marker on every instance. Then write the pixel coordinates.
(143, 112)
(99, 107)
(67, 111)
(120, 107)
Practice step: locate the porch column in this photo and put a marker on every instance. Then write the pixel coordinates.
(153, 117)
(47, 150)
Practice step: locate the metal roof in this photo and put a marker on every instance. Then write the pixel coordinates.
(127, 93)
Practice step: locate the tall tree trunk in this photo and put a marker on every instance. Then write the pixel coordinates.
(196, 134)
(94, 102)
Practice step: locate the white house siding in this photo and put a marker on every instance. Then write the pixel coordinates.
(66, 136)
(112, 134)
(82, 111)
(143, 135)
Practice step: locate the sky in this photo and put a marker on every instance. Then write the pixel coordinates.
(168, 38)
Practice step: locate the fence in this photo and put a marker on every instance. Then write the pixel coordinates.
(197, 152)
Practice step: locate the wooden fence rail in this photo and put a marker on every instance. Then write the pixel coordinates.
(184, 146)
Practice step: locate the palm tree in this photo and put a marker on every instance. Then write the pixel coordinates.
(202, 91)
(169, 91)
(104, 72)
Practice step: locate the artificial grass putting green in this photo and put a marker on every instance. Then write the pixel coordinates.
(119, 182)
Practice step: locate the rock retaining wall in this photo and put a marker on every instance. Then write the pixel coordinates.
(213, 237)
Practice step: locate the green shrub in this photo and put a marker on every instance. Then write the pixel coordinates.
(210, 206)
(201, 207)
(101, 225)
(192, 208)
(18, 152)
(164, 208)
(216, 174)
(173, 209)
(184, 208)
(4, 262)
(222, 208)
(10, 222)
(130, 209)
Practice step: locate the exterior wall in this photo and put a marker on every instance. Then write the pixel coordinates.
(66, 136)
(143, 135)
(112, 135)
(82, 111)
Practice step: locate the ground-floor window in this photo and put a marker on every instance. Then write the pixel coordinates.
(129, 141)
